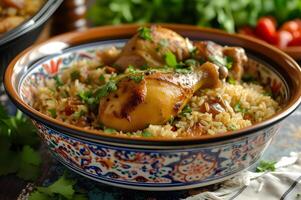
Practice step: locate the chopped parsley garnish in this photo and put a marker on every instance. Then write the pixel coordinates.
(186, 110)
(58, 81)
(170, 59)
(228, 62)
(78, 114)
(52, 112)
(101, 78)
(232, 127)
(146, 134)
(87, 97)
(266, 166)
(74, 75)
(231, 80)
(105, 90)
(131, 69)
(238, 108)
(190, 62)
(144, 67)
(193, 52)
(183, 70)
(171, 120)
(109, 130)
(145, 33)
(137, 78)
(222, 61)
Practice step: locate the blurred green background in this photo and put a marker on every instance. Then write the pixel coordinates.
(223, 14)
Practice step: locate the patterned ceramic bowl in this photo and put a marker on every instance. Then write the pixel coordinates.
(150, 163)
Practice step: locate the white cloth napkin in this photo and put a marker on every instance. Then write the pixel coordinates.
(282, 184)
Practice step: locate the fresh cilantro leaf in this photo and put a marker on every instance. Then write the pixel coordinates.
(190, 62)
(186, 110)
(238, 108)
(131, 69)
(74, 75)
(228, 62)
(17, 142)
(29, 166)
(145, 33)
(231, 80)
(266, 166)
(105, 90)
(146, 134)
(193, 52)
(101, 78)
(38, 196)
(170, 59)
(58, 81)
(30, 156)
(78, 114)
(109, 130)
(63, 186)
(52, 112)
(137, 78)
(144, 67)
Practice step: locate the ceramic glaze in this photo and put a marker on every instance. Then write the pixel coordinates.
(156, 169)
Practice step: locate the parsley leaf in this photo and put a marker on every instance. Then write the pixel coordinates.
(145, 33)
(52, 112)
(146, 134)
(109, 130)
(186, 110)
(105, 90)
(231, 80)
(18, 141)
(170, 59)
(137, 78)
(58, 81)
(238, 108)
(101, 78)
(266, 166)
(63, 187)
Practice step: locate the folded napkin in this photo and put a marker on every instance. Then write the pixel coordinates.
(282, 184)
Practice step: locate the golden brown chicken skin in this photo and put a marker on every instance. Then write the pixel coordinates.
(141, 50)
(155, 99)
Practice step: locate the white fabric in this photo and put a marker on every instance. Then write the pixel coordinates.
(282, 184)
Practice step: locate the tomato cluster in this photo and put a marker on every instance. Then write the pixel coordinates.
(289, 34)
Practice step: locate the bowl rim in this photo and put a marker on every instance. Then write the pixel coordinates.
(98, 135)
(42, 15)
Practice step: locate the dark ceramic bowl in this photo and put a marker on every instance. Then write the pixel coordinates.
(19, 38)
(150, 163)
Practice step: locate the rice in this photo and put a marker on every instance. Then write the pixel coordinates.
(243, 104)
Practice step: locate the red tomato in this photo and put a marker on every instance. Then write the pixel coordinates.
(295, 42)
(294, 27)
(283, 38)
(266, 29)
(247, 30)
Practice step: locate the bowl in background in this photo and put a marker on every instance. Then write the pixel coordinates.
(150, 163)
(19, 38)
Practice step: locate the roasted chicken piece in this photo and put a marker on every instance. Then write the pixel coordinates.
(210, 51)
(155, 99)
(150, 46)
